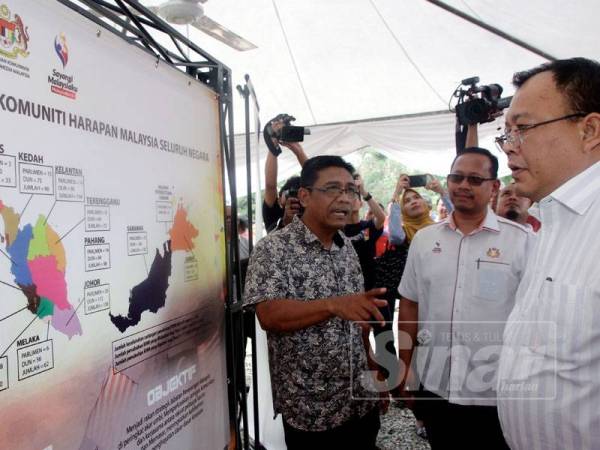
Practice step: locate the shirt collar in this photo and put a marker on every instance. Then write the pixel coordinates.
(309, 237)
(579, 192)
(490, 222)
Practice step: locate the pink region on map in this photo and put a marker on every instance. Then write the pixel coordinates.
(66, 322)
(50, 281)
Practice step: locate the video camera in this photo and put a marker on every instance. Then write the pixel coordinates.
(291, 192)
(473, 108)
(289, 132)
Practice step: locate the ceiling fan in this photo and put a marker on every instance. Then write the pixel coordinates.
(191, 12)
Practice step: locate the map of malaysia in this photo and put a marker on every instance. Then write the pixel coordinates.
(151, 294)
(38, 264)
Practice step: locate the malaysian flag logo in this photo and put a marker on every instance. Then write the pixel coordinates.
(60, 45)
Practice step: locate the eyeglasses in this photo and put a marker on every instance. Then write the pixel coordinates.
(473, 180)
(336, 191)
(516, 136)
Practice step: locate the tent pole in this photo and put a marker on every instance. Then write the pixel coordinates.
(492, 29)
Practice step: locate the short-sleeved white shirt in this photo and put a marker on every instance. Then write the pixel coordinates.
(465, 286)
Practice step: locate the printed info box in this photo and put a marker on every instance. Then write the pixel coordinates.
(35, 359)
(36, 179)
(3, 373)
(8, 171)
(164, 212)
(97, 257)
(97, 218)
(138, 347)
(97, 297)
(137, 243)
(69, 185)
(191, 268)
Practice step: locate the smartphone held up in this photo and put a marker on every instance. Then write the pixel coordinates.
(419, 180)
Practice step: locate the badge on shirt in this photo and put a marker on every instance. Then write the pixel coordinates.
(493, 252)
(424, 336)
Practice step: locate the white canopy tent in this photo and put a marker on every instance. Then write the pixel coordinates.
(338, 61)
(380, 73)
(424, 142)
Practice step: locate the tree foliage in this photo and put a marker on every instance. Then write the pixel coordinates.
(380, 175)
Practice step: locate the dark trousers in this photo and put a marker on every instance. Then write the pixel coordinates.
(385, 347)
(359, 434)
(451, 426)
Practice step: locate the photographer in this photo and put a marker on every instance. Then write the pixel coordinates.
(472, 136)
(279, 205)
(285, 208)
(364, 233)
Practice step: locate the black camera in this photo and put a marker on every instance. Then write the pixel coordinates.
(291, 192)
(291, 133)
(285, 118)
(479, 104)
(287, 133)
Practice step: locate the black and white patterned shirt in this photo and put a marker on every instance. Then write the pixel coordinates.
(319, 374)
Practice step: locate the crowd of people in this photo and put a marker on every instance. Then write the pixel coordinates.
(496, 291)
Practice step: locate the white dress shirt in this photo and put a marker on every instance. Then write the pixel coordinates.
(549, 379)
(465, 286)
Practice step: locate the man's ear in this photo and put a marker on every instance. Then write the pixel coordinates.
(303, 196)
(590, 132)
(495, 186)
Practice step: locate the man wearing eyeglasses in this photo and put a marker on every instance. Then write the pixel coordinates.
(549, 378)
(306, 284)
(457, 290)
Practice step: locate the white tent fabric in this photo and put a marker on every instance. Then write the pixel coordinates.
(337, 60)
(341, 61)
(327, 61)
(424, 143)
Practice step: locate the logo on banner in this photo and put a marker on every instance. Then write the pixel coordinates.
(62, 83)
(60, 45)
(13, 35)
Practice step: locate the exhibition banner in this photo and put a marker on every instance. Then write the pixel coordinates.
(112, 247)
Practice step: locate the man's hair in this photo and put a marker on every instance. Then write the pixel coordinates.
(578, 79)
(483, 152)
(290, 183)
(242, 224)
(312, 167)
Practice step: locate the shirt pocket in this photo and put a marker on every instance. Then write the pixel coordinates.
(568, 315)
(492, 281)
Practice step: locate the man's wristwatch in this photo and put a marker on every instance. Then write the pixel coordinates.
(368, 197)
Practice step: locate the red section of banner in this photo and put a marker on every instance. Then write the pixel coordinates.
(63, 92)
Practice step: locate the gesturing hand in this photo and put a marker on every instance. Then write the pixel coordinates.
(293, 146)
(360, 184)
(403, 182)
(359, 307)
(292, 208)
(434, 185)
